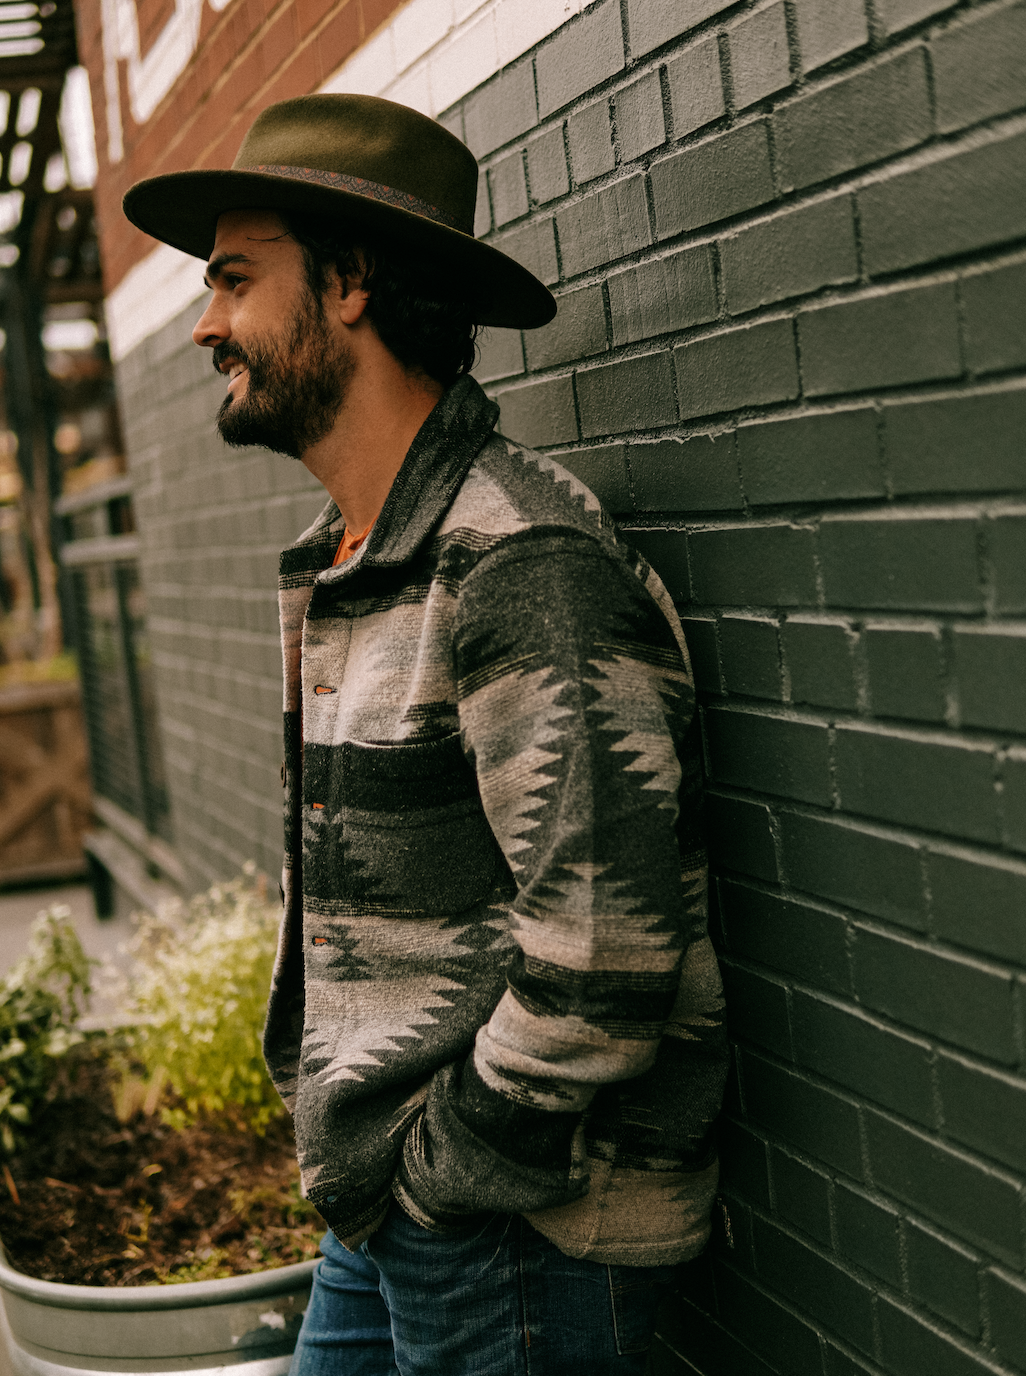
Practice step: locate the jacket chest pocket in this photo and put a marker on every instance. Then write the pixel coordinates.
(398, 828)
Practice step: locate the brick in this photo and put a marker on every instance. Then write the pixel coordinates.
(823, 1290)
(783, 933)
(979, 903)
(712, 181)
(978, 67)
(539, 413)
(640, 124)
(1013, 783)
(1006, 537)
(766, 1326)
(603, 227)
(1006, 1305)
(546, 167)
(509, 189)
(960, 444)
(990, 668)
(983, 1110)
(870, 114)
(812, 458)
(769, 754)
(861, 1054)
(901, 564)
(837, 1363)
(867, 1233)
(534, 247)
(578, 330)
(906, 672)
(739, 835)
(926, 783)
(664, 295)
(632, 394)
(696, 87)
(818, 1122)
(698, 473)
(978, 1205)
(751, 366)
(756, 1009)
(654, 22)
(591, 141)
(580, 55)
(500, 111)
(501, 354)
(829, 29)
(666, 551)
(700, 634)
(801, 1195)
(994, 319)
(744, 1160)
(818, 658)
(750, 653)
(943, 1277)
(908, 1343)
(945, 995)
(759, 59)
(754, 565)
(796, 253)
(954, 205)
(883, 341)
(895, 15)
(735, 1208)
(604, 470)
(683, 1328)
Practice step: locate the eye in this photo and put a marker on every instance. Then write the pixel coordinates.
(232, 280)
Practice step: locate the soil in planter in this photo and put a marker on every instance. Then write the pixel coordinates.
(94, 1201)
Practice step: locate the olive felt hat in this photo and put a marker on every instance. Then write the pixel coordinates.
(379, 167)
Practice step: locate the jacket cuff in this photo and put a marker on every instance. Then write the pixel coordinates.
(448, 1174)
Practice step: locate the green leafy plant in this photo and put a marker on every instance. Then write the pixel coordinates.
(41, 1001)
(197, 1003)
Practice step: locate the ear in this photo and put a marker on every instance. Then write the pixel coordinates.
(348, 294)
(349, 297)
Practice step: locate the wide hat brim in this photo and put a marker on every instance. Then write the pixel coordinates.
(182, 209)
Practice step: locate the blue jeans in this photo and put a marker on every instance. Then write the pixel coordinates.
(496, 1300)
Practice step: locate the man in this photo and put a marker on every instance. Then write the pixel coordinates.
(496, 1016)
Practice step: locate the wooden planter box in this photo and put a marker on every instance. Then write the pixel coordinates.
(44, 782)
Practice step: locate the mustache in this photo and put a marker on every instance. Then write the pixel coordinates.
(221, 354)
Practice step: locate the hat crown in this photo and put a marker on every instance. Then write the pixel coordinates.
(369, 138)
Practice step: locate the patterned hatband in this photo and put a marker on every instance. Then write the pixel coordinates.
(361, 186)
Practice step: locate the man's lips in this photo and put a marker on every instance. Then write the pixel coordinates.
(234, 371)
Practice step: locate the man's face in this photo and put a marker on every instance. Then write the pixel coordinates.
(286, 360)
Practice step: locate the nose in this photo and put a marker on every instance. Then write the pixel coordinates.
(212, 326)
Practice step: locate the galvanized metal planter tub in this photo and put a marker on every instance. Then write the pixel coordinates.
(248, 1323)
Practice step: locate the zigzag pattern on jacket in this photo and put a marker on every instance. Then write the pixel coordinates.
(494, 990)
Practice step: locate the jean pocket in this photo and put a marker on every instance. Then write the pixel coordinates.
(635, 1293)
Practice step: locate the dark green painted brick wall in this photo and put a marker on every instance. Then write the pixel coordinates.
(789, 240)
(804, 393)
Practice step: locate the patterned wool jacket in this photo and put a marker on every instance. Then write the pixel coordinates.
(494, 989)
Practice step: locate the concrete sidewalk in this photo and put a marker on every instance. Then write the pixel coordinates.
(101, 938)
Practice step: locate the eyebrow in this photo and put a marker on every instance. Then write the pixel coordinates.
(217, 265)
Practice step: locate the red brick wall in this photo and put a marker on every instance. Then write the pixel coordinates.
(253, 53)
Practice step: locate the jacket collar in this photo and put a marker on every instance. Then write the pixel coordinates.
(435, 465)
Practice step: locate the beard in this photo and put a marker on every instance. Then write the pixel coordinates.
(296, 386)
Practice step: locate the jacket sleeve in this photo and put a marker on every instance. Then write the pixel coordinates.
(574, 698)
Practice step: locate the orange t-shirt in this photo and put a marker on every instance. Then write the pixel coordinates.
(349, 544)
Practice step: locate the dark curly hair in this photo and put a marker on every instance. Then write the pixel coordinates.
(427, 332)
